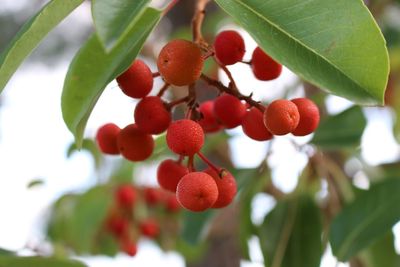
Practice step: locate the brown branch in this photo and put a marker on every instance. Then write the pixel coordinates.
(163, 89)
(197, 22)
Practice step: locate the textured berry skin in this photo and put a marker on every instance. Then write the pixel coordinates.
(125, 196)
(151, 115)
(152, 196)
(185, 137)
(150, 228)
(134, 144)
(253, 125)
(229, 110)
(169, 173)
(227, 188)
(137, 81)
(117, 225)
(106, 138)
(229, 47)
(281, 117)
(172, 204)
(309, 116)
(180, 62)
(197, 191)
(264, 67)
(208, 122)
(129, 247)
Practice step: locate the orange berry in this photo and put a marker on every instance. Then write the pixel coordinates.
(229, 47)
(137, 81)
(229, 110)
(180, 62)
(134, 144)
(309, 116)
(227, 187)
(253, 125)
(264, 67)
(281, 117)
(185, 137)
(106, 138)
(151, 115)
(169, 173)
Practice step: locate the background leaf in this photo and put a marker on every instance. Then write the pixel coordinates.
(31, 34)
(37, 262)
(90, 146)
(344, 54)
(368, 217)
(382, 252)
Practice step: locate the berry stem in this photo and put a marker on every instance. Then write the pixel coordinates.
(246, 62)
(190, 164)
(169, 7)
(180, 159)
(163, 89)
(197, 21)
(156, 74)
(232, 83)
(177, 102)
(220, 171)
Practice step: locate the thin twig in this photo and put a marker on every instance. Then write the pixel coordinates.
(197, 21)
(163, 89)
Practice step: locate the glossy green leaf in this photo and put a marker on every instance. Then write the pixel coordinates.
(37, 262)
(342, 130)
(335, 44)
(92, 69)
(368, 217)
(31, 34)
(290, 235)
(113, 19)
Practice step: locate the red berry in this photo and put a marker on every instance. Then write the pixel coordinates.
(281, 117)
(264, 67)
(229, 47)
(134, 144)
(151, 115)
(137, 81)
(180, 62)
(229, 110)
(185, 137)
(172, 203)
(126, 196)
(309, 116)
(253, 125)
(226, 187)
(152, 196)
(208, 121)
(129, 247)
(197, 191)
(106, 138)
(169, 173)
(150, 228)
(117, 225)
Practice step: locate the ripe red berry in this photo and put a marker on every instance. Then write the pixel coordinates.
(197, 191)
(117, 225)
(227, 187)
(106, 138)
(169, 173)
(137, 81)
(151, 115)
(180, 62)
(309, 116)
(185, 137)
(150, 228)
(134, 144)
(229, 110)
(253, 125)
(208, 121)
(229, 47)
(125, 196)
(152, 196)
(172, 204)
(281, 117)
(264, 67)
(129, 247)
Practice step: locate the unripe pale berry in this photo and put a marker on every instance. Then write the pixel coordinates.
(106, 138)
(169, 173)
(185, 137)
(229, 47)
(151, 115)
(137, 81)
(229, 110)
(197, 191)
(281, 117)
(150, 228)
(309, 116)
(253, 125)
(125, 196)
(180, 62)
(134, 144)
(208, 121)
(227, 187)
(264, 67)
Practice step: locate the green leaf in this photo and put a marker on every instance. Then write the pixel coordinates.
(92, 69)
(38, 262)
(342, 130)
(113, 19)
(383, 253)
(290, 235)
(5, 252)
(194, 225)
(336, 45)
(35, 183)
(90, 146)
(368, 217)
(31, 34)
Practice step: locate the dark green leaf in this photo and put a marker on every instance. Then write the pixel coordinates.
(34, 183)
(336, 45)
(290, 235)
(37, 262)
(90, 146)
(368, 217)
(5, 252)
(383, 253)
(31, 34)
(342, 130)
(92, 69)
(113, 19)
(194, 225)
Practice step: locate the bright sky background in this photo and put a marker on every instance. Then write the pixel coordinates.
(34, 139)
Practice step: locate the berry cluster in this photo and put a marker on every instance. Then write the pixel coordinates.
(127, 225)
(180, 63)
